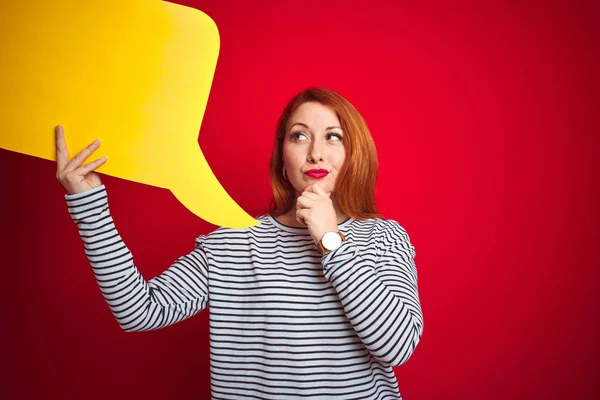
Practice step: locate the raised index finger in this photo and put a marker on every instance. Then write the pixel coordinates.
(62, 155)
(317, 189)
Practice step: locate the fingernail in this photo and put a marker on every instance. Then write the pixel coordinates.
(96, 141)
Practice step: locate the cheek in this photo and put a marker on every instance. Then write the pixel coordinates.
(337, 160)
(292, 160)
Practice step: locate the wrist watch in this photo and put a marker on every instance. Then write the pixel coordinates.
(330, 242)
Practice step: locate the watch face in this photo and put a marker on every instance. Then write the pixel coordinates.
(331, 241)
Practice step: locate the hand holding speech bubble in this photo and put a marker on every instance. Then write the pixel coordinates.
(136, 74)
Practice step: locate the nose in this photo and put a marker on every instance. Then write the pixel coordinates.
(316, 152)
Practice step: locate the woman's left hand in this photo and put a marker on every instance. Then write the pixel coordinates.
(315, 209)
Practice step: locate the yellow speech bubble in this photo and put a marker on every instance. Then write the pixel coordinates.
(136, 74)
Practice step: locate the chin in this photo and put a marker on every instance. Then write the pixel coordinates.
(325, 186)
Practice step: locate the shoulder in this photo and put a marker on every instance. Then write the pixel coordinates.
(383, 234)
(382, 229)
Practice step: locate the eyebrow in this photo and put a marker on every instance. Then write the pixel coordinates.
(306, 126)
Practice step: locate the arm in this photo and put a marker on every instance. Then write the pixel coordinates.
(178, 293)
(381, 301)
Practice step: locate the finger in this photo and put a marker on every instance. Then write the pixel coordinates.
(62, 155)
(319, 190)
(89, 167)
(310, 195)
(83, 155)
(300, 215)
(308, 188)
(304, 202)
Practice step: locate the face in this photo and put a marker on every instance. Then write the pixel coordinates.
(313, 149)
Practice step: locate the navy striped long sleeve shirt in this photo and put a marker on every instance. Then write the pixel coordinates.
(285, 322)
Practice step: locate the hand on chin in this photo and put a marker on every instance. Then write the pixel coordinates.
(314, 209)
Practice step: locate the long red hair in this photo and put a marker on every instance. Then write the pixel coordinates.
(355, 186)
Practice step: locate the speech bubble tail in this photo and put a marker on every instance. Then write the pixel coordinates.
(197, 188)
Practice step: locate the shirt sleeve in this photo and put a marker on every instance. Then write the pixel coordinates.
(381, 300)
(138, 305)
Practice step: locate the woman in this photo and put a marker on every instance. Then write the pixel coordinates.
(320, 300)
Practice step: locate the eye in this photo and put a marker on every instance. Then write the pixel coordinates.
(337, 136)
(296, 136)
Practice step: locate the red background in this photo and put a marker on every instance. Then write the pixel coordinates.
(485, 120)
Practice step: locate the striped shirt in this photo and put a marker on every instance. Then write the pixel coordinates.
(285, 322)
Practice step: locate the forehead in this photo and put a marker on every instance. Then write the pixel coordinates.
(315, 115)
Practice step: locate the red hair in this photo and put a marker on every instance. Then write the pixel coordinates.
(355, 185)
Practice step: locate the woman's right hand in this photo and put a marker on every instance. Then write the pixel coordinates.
(76, 178)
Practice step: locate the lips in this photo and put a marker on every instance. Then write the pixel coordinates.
(317, 173)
